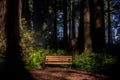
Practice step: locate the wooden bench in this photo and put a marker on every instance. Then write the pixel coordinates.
(56, 60)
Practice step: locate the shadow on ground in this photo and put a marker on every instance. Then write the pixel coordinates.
(13, 71)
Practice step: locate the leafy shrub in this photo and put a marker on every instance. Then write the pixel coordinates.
(85, 61)
(33, 60)
(93, 61)
(36, 57)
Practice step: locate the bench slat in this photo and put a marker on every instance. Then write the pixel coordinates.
(58, 56)
(58, 62)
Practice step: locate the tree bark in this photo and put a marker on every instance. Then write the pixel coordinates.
(14, 66)
(65, 39)
(80, 40)
(97, 25)
(87, 33)
(2, 27)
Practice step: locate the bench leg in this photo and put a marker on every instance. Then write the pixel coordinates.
(43, 65)
(70, 66)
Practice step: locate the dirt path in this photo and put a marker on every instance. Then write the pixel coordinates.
(65, 74)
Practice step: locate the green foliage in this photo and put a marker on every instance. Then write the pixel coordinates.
(93, 61)
(27, 36)
(36, 57)
(33, 59)
(85, 61)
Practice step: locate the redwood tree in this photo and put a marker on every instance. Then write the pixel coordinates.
(2, 27)
(14, 66)
(97, 25)
(87, 33)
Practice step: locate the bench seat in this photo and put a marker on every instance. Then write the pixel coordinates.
(56, 60)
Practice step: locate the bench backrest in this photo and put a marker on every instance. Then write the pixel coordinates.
(58, 60)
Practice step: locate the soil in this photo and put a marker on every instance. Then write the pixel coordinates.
(65, 74)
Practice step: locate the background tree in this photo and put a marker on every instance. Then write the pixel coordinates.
(87, 33)
(112, 27)
(97, 25)
(65, 38)
(80, 40)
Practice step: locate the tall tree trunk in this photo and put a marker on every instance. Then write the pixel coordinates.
(19, 13)
(97, 25)
(14, 66)
(87, 33)
(109, 23)
(80, 40)
(55, 45)
(73, 19)
(73, 39)
(65, 39)
(69, 24)
(73, 44)
(2, 27)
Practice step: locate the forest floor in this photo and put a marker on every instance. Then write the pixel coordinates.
(66, 74)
